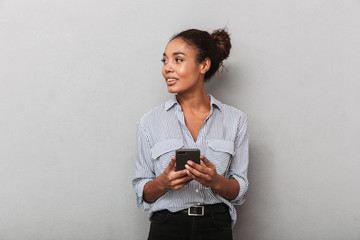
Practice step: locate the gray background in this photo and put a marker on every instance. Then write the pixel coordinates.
(76, 76)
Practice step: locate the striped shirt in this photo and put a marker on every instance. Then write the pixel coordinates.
(222, 139)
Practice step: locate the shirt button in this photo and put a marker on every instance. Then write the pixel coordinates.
(196, 190)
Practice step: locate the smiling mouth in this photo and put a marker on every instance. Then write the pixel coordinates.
(171, 79)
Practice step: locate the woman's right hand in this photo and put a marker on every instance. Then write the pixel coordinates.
(171, 179)
(168, 179)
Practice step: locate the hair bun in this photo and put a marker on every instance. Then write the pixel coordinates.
(222, 39)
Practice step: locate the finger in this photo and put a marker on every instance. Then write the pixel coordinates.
(179, 174)
(194, 177)
(200, 167)
(206, 161)
(181, 181)
(195, 172)
(191, 175)
(181, 185)
(191, 163)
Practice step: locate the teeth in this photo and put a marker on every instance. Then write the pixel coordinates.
(171, 79)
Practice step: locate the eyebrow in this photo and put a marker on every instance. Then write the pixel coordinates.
(175, 53)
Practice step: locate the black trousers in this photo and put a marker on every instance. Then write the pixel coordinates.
(179, 226)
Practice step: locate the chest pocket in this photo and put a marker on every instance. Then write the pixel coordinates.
(219, 153)
(163, 151)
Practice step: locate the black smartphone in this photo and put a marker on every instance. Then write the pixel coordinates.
(183, 155)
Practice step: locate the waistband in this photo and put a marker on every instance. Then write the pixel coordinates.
(201, 210)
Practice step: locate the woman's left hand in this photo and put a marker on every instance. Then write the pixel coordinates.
(205, 172)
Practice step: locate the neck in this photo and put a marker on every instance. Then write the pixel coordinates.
(196, 100)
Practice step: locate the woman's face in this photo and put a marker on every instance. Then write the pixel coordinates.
(181, 70)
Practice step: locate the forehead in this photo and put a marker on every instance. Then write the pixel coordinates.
(178, 45)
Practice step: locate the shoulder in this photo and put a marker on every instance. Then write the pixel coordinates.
(230, 111)
(160, 113)
(159, 123)
(237, 117)
(153, 115)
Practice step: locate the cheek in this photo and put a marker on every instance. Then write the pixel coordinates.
(183, 70)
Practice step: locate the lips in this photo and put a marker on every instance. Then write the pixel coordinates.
(170, 80)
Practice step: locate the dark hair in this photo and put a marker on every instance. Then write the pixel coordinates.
(215, 46)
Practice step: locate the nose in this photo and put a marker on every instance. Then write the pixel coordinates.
(168, 67)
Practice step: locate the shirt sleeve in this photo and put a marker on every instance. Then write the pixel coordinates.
(144, 168)
(239, 164)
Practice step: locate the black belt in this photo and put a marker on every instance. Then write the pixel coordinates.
(201, 210)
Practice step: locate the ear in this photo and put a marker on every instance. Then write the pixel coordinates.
(205, 66)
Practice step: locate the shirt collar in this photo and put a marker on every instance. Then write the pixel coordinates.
(215, 102)
(173, 101)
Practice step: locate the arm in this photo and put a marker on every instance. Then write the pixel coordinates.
(144, 168)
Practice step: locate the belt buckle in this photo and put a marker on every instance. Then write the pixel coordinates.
(196, 214)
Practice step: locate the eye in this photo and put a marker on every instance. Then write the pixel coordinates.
(178, 60)
(163, 60)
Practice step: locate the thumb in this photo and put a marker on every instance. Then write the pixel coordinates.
(172, 163)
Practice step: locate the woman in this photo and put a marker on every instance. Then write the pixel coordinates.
(197, 202)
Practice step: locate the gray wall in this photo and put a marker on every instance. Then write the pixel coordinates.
(75, 77)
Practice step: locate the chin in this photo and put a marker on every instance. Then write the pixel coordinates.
(172, 90)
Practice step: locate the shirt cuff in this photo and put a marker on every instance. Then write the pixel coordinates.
(240, 198)
(141, 204)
